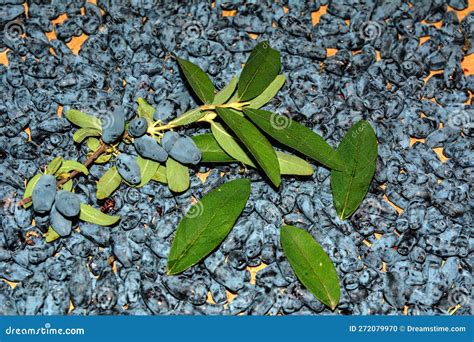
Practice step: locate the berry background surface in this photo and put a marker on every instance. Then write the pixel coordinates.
(407, 250)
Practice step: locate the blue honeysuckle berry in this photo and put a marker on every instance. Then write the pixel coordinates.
(185, 151)
(138, 127)
(147, 147)
(67, 203)
(60, 223)
(113, 125)
(169, 139)
(128, 168)
(44, 193)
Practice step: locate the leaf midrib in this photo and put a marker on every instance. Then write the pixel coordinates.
(299, 144)
(114, 173)
(110, 219)
(193, 241)
(200, 88)
(146, 171)
(351, 180)
(189, 73)
(252, 76)
(263, 159)
(236, 151)
(300, 250)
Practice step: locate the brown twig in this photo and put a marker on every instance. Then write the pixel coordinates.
(102, 148)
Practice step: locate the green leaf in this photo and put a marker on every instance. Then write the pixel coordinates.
(93, 144)
(187, 118)
(103, 158)
(311, 264)
(211, 151)
(206, 224)
(293, 165)
(145, 109)
(177, 175)
(71, 165)
(260, 70)
(93, 215)
(160, 175)
(54, 166)
(108, 183)
(358, 149)
(83, 120)
(296, 136)
(268, 93)
(51, 235)
(82, 133)
(67, 186)
(148, 169)
(30, 186)
(225, 93)
(198, 80)
(229, 144)
(254, 141)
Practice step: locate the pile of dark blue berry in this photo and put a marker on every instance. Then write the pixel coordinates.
(418, 261)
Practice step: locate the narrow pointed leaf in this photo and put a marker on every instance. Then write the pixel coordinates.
(160, 175)
(189, 117)
(211, 151)
(103, 158)
(260, 70)
(225, 93)
(147, 169)
(82, 133)
(229, 144)
(145, 109)
(258, 146)
(83, 120)
(54, 166)
(93, 215)
(296, 136)
(198, 80)
(71, 165)
(358, 149)
(177, 175)
(30, 186)
(93, 144)
(311, 264)
(293, 165)
(268, 94)
(206, 224)
(108, 183)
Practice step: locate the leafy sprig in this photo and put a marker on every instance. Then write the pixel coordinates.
(239, 132)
